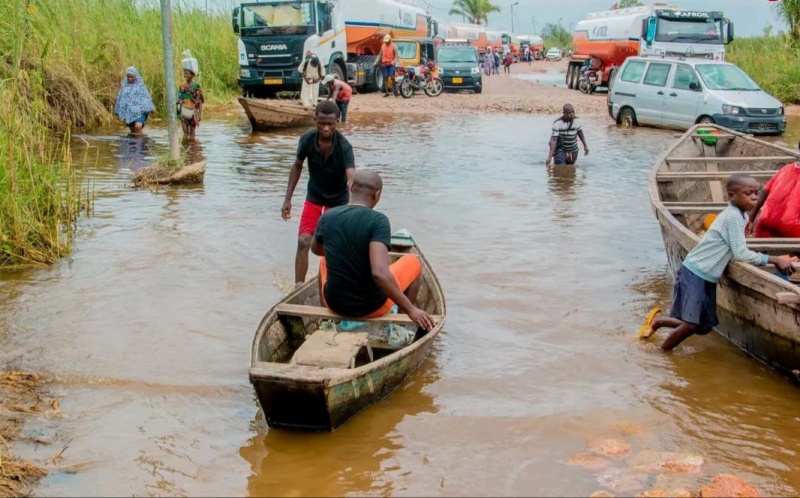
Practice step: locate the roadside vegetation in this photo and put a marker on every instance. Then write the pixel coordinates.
(61, 67)
(771, 60)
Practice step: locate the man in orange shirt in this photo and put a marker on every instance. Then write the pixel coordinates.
(387, 60)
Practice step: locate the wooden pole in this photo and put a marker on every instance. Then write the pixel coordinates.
(169, 77)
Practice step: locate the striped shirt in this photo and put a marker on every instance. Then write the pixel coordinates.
(567, 133)
(723, 241)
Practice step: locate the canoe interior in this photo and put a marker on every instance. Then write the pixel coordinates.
(713, 191)
(286, 334)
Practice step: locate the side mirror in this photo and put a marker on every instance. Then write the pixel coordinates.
(730, 32)
(652, 23)
(694, 86)
(235, 20)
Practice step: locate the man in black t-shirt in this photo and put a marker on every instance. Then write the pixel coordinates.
(331, 168)
(354, 241)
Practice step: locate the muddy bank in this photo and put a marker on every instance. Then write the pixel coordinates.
(501, 94)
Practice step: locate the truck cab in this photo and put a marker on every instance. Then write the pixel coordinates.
(272, 41)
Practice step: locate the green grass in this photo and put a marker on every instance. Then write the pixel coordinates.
(61, 65)
(772, 62)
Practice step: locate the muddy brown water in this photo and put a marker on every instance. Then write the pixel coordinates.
(147, 328)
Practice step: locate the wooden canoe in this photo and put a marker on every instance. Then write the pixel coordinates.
(272, 114)
(686, 185)
(345, 372)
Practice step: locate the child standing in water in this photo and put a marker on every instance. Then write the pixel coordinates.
(694, 299)
(190, 98)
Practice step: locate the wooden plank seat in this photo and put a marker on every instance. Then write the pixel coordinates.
(320, 312)
(711, 135)
(672, 176)
(723, 159)
(331, 349)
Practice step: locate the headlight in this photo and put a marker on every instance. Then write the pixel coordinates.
(732, 109)
(780, 111)
(244, 73)
(475, 70)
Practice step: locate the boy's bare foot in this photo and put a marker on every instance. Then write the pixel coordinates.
(646, 330)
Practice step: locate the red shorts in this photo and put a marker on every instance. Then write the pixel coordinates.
(310, 217)
(405, 270)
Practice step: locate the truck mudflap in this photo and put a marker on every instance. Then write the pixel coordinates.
(365, 73)
(356, 74)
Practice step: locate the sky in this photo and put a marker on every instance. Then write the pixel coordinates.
(750, 17)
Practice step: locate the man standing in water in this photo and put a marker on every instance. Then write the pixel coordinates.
(387, 60)
(331, 169)
(564, 140)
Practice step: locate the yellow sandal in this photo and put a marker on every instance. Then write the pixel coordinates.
(645, 331)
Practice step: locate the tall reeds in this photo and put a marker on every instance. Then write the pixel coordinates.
(772, 62)
(61, 65)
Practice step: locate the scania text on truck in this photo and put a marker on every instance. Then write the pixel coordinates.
(346, 35)
(607, 38)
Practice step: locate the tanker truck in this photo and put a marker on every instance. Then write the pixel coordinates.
(605, 39)
(346, 35)
(535, 43)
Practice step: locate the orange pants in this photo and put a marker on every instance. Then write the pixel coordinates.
(405, 270)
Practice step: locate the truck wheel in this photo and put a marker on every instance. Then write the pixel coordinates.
(705, 120)
(338, 72)
(378, 79)
(627, 118)
(611, 75)
(569, 76)
(576, 76)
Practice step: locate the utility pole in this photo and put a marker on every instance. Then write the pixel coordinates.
(512, 16)
(169, 78)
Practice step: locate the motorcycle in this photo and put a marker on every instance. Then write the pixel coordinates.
(408, 81)
(589, 80)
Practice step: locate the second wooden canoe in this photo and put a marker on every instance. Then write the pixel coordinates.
(273, 114)
(687, 184)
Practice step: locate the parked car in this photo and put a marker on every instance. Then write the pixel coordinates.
(459, 67)
(554, 54)
(678, 93)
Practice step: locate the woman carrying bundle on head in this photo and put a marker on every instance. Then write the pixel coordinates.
(190, 97)
(133, 104)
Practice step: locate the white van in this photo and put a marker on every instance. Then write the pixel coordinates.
(678, 93)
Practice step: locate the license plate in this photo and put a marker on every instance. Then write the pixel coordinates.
(273, 81)
(457, 81)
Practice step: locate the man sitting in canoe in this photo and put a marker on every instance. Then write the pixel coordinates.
(353, 241)
(779, 205)
(694, 295)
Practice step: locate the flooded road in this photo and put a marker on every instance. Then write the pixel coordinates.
(547, 276)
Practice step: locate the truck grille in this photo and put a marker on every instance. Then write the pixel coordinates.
(274, 60)
(763, 127)
(762, 111)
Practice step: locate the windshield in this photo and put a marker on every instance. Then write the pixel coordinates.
(278, 18)
(407, 50)
(452, 54)
(506, 39)
(707, 33)
(726, 77)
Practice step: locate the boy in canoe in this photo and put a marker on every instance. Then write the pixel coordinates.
(331, 169)
(694, 295)
(353, 242)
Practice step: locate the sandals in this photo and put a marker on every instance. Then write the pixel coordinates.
(645, 331)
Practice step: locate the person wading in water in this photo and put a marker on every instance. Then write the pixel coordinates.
(331, 169)
(564, 140)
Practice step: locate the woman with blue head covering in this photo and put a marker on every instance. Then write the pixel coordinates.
(133, 102)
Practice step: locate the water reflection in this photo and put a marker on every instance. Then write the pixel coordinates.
(343, 462)
(135, 152)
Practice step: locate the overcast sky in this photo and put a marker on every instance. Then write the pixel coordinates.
(749, 16)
